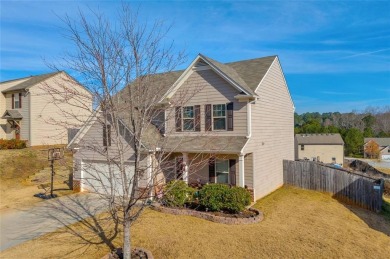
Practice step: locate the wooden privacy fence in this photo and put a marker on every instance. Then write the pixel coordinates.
(345, 186)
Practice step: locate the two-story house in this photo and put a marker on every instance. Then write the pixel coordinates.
(30, 111)
(238, 118)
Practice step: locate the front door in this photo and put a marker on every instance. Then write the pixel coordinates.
(17, 132)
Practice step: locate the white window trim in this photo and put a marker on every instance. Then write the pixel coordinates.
(182, 118)
(16, 99)
(212, 117)
(215, 170)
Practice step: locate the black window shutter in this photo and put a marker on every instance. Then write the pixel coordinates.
(13, 101)
(212, 170)
(229, 108)
(197, 117)
(104, 136)
(109, 134)
(178, 119)
(232, 171)
(20, 100)
(207, 108)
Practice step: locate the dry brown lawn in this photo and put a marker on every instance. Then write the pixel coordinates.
(16, 189)
(298, 224)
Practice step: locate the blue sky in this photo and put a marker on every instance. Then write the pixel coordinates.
(335, 54)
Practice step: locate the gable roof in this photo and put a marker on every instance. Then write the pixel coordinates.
(25, 84)
(12, 114)
(252, 71)
(380, 141)
(244, 75)
(319, 139)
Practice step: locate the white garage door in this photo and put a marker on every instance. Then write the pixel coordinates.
(386, 157)
(96, 177)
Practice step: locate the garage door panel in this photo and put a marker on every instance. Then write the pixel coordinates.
(97, 177)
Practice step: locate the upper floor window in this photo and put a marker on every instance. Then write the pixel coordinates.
(219, 116)
(188, 118)
(17, 101)
(302, 147)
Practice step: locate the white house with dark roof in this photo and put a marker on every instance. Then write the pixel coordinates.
(327, 148)
(29, 112)
(383, 145)
(240, 114)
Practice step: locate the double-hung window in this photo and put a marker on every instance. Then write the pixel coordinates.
(188, 118)
(219, 117)
(222, 171)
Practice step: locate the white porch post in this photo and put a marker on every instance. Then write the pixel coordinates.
(241, 170)
(149, 175)
(185, 171)
(149, 168)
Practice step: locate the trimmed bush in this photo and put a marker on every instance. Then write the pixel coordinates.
(12, 144)
(177, 194)
(221, 197)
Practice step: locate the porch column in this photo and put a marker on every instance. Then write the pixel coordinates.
(241, 170)
(149, 169)
(185, 167)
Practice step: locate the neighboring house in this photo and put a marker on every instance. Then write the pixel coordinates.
(326, 148)
(240, 115)
(383, 146)
(29, 112)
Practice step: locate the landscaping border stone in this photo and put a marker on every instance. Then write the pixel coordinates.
(148, 254)
(210, 217)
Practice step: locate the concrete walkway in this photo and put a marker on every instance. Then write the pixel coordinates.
(18, 226)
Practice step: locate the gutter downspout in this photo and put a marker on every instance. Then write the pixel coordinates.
(249, 119)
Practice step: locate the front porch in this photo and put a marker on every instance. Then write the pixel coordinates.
(199, 169)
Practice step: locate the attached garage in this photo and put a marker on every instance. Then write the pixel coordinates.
(385, 157)
(100, 177)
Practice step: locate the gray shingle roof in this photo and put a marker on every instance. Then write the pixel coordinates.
(229, 72)
(380, 141)
(319, 139)
(252, 71)
(12, 114)
(206, 144)
(33, 80)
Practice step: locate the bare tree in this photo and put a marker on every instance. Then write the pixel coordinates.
(125, 65)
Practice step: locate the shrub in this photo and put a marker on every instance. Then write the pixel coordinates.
(217, 197)
(177, 194)
(12, 144)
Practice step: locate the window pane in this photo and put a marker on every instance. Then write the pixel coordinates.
(222, 178)
(219, 110)
(188, 112)
(219, 123)
(188, 124)
(222, 166)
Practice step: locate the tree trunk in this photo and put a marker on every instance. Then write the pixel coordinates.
(126, 239)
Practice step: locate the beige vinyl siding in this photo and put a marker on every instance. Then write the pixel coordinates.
(323, 152)
(49, 122)
(272, 137)
(91, 145)
(248, 171)
(206, 87)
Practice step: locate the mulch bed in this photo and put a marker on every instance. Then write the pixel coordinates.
(248, 216)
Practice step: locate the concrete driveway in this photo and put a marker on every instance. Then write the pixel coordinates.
(18, 226)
